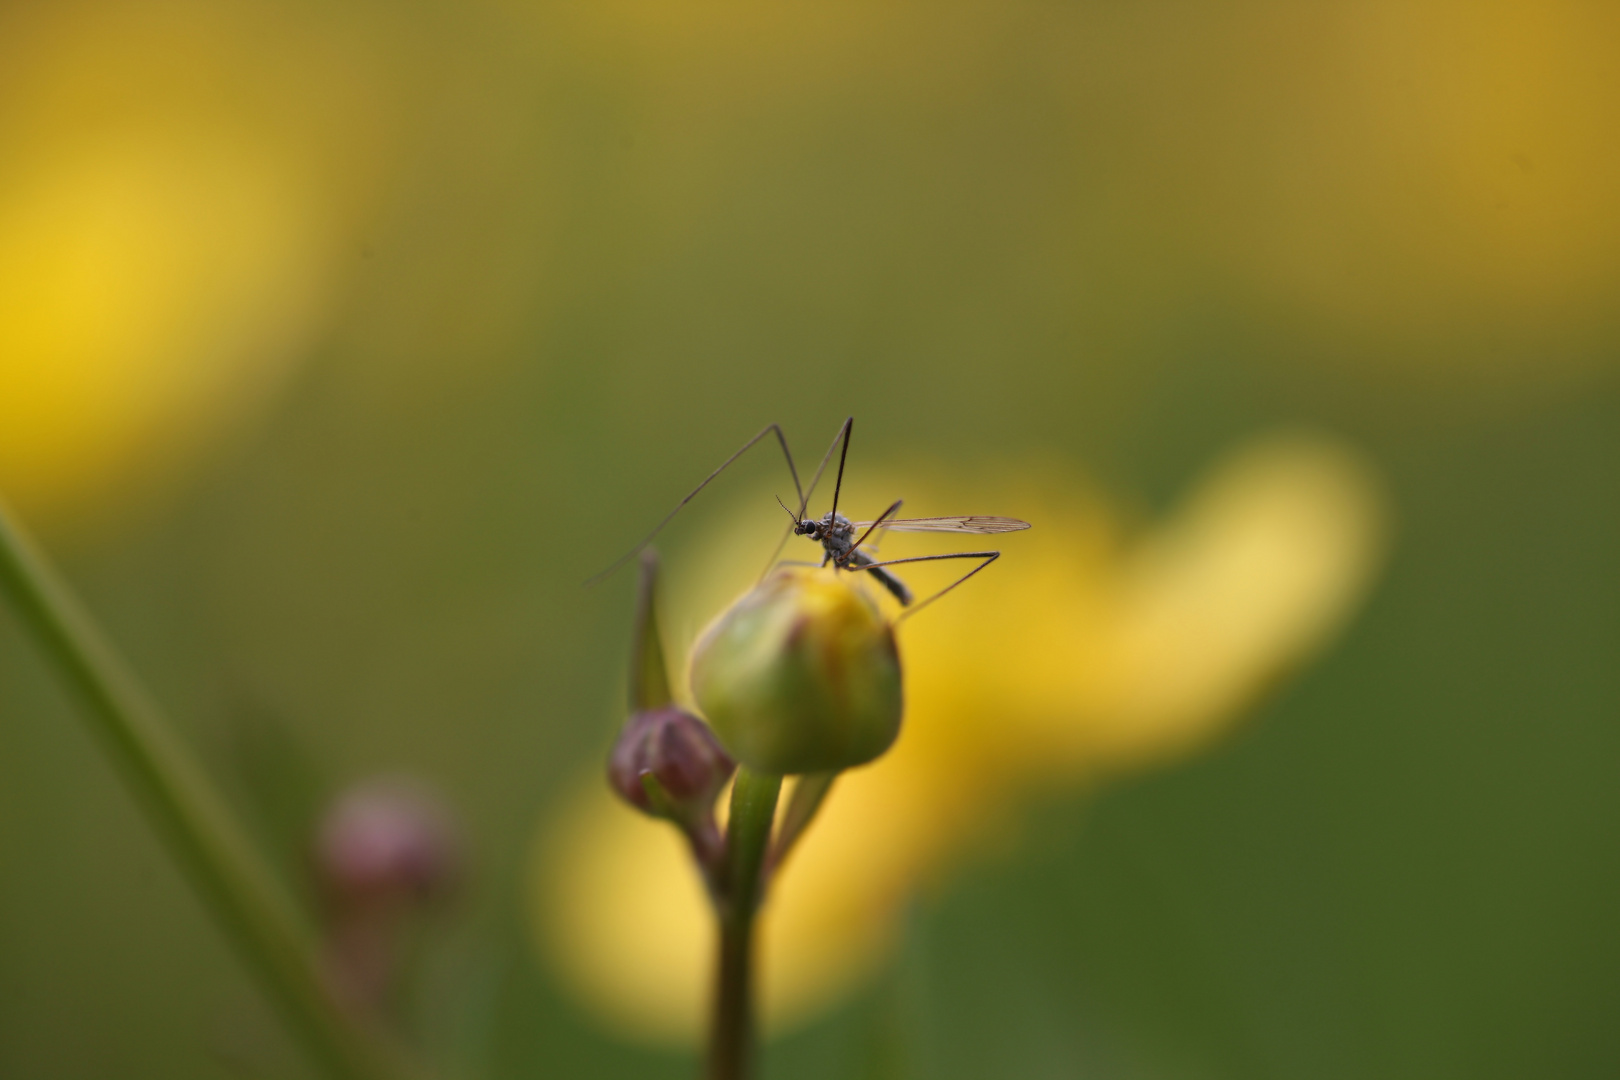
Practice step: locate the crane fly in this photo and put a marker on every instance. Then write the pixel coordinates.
(836, 534)
(840, 537)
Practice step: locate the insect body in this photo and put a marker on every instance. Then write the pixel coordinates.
(836, 533)
(841, 539)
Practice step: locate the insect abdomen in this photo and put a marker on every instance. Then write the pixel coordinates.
(893, 584)
(886, 579)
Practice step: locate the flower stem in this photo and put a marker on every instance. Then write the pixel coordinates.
(190, 816)
(748, 835)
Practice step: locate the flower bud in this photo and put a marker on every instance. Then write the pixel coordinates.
(800, 675)
(385, 842)
(668, 764)
(387, 852)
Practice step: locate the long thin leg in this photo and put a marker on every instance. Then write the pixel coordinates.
(804, 498)
(766, 430)
(893, 509)
(882, 537)
(843, 433)
(838, 485)
(988, 557)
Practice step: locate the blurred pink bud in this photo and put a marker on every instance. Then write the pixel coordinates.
(385, 841)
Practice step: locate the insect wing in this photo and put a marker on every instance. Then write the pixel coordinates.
(955, 524)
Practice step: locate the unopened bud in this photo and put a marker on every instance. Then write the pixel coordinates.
(386, 841)
(386, 851)
(800, 675)
(668, 764)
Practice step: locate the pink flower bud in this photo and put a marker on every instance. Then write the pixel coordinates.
(386, 841)
(679, 754)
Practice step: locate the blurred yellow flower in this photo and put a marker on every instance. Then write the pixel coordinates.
(176, 183)
(1081, 653)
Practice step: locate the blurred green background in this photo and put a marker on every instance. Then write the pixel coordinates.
(340, 342)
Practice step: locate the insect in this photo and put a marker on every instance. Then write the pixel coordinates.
(837, 534)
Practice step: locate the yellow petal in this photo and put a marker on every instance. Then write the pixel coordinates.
(1251, 577)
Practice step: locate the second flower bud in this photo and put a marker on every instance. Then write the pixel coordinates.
(668, 764)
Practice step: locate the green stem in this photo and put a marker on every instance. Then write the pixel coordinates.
(748, 836)
(190, 815)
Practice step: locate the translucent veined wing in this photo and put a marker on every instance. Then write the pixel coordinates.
(957, 524)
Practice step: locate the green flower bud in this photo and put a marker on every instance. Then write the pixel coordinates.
(800, 675)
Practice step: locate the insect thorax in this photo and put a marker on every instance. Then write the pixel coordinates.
(836, 533)
(837, 526)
